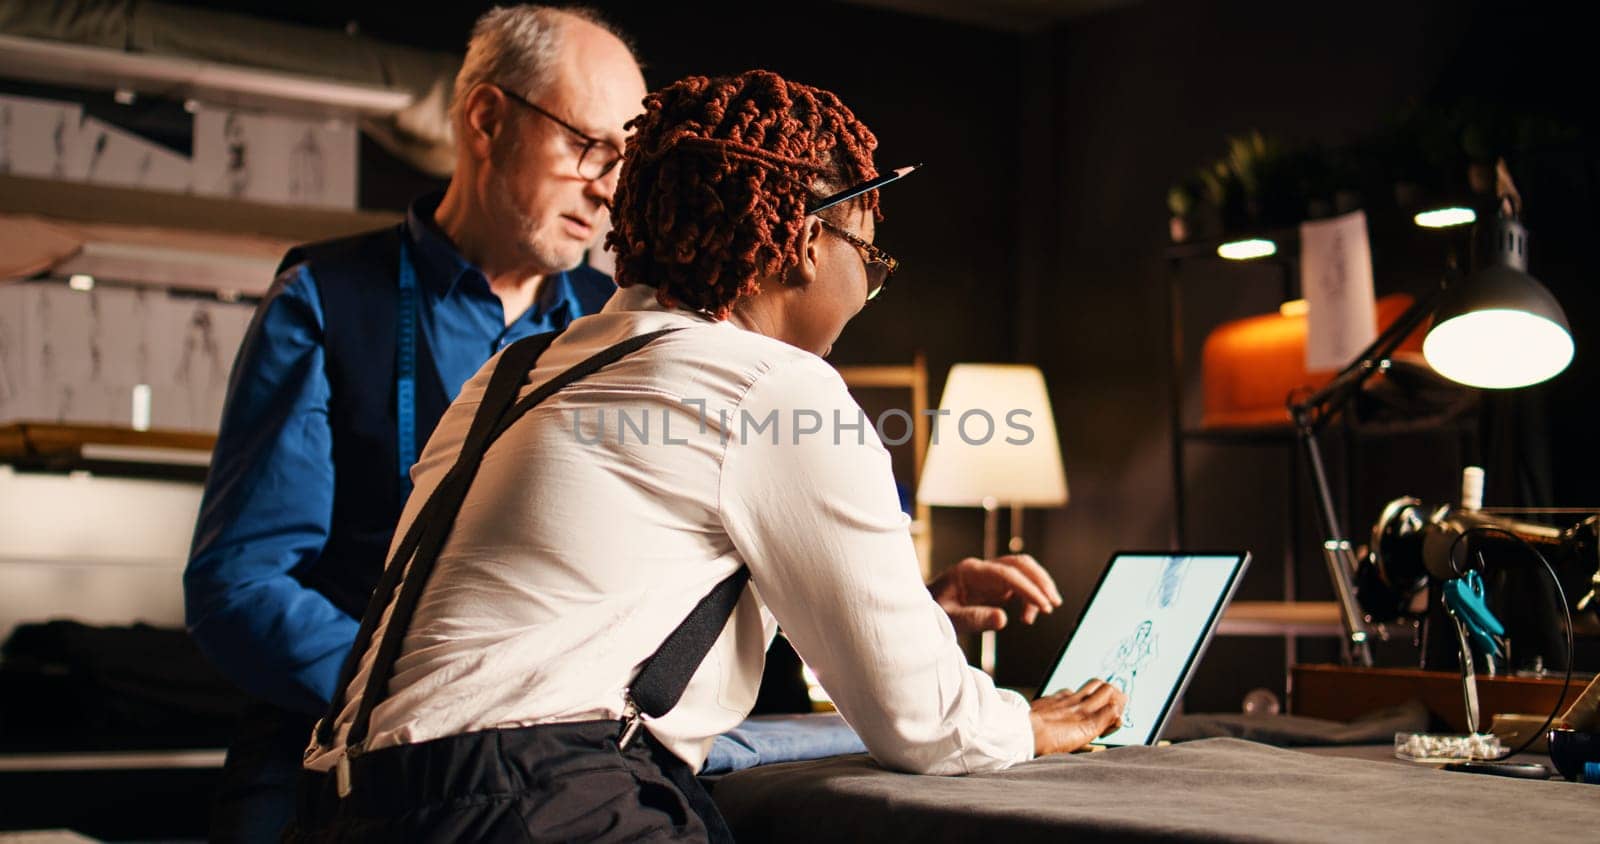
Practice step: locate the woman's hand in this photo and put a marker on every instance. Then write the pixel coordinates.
(1067, 720)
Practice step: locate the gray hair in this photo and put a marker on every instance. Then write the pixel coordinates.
(517, 47)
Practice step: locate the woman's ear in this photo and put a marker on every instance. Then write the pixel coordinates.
(805, 270)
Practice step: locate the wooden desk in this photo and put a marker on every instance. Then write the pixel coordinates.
(1343, 693)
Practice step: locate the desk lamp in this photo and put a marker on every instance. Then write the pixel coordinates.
(994, 443)
(1498, 329)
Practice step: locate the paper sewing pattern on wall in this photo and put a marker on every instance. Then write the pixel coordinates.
(52, 139)
(273, 158)
(37, 137)
(236, 154)
(104, 154)
(75, 356)
(1336, 278)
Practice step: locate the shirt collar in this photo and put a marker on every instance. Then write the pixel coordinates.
(642, 297)
(556, 293)
(437, 262)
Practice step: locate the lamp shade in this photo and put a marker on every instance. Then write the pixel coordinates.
(994, 438)
(1500, 328)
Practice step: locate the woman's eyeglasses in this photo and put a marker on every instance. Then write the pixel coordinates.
(880, 264)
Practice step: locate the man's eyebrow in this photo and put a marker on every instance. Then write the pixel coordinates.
(617, 139)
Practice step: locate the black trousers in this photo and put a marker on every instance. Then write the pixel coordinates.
(552, 782)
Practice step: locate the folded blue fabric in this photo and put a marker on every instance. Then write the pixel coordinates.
(766, 739)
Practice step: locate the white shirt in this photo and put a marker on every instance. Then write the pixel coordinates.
(588, 537)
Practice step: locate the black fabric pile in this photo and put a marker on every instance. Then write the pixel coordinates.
(71, 686)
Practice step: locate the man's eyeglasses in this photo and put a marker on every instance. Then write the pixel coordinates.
(598, 157)
(880, 264)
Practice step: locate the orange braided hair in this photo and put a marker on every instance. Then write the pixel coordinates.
(718, 174)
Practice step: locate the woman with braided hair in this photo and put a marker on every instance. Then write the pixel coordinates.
(609, 526)
(722, 173)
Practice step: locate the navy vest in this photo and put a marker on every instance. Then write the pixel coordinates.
(357, 279)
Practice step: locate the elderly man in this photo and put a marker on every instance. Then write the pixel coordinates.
(358, 348)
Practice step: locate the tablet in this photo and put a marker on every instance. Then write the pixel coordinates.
(1144, 629)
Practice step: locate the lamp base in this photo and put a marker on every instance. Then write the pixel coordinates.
(1523, 770)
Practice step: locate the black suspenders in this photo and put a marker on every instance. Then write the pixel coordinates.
(665, 674)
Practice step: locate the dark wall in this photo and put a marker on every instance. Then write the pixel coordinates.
(1144, 95)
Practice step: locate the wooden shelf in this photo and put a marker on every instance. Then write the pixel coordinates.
(1386, 223)
(106, 449)
(1321, 618)
(53, 439)
(1344, 693)
(1274, 618)
(90, 203)
(136, 760)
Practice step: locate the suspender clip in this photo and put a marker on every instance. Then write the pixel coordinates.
(341, 776)
(630, 722)
(341, 770)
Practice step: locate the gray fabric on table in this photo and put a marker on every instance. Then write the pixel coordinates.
(1376, 727)
(1208, 790)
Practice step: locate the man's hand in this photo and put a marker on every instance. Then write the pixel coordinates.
(1066, 721)
(973, 591)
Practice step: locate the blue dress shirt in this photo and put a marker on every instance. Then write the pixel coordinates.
(268, 503)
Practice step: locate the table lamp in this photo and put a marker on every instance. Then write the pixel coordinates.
(994, 444)
(1498, 328)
